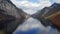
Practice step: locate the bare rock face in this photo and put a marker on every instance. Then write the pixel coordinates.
(11, 16)
(10, 8)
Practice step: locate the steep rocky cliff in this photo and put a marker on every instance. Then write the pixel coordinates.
(9, 9)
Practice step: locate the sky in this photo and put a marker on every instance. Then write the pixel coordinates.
(32, 6)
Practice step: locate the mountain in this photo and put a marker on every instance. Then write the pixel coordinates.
(43, 14)
(10, 16)
(47, 11)
(40, 15)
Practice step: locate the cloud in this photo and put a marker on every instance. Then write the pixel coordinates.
(30, 7)
(32, 23)
(57, 1)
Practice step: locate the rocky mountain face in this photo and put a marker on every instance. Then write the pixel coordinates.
(40, 15)
(10, 8)
(45, 12)
(10, 16)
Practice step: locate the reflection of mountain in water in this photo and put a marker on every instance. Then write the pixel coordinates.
(16, 16)
(49, 16)
(10, 17)
(33, 26)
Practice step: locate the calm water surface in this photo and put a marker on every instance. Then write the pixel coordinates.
(34, 26)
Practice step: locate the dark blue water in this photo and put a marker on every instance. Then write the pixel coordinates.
(31, 31)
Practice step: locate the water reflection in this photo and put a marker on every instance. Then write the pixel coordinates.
(34, 26)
